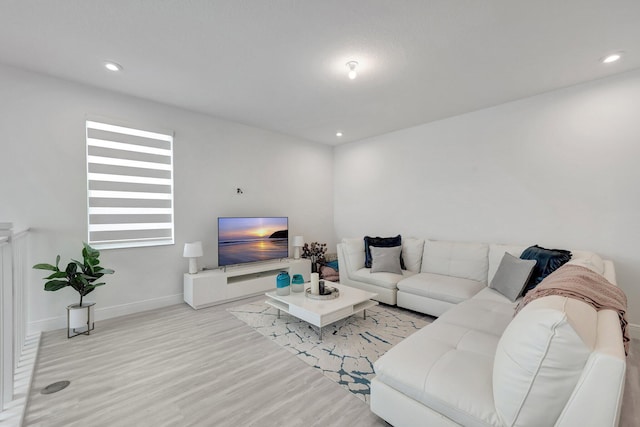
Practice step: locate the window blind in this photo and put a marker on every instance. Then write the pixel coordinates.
(129, 186)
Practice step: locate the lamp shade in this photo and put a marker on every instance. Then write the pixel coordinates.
(192, 250)
(298, 241)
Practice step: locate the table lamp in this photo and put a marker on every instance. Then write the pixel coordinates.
(192, 251)
(298, 242)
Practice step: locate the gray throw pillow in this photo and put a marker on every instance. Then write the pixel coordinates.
(512, 276)
(386, 259)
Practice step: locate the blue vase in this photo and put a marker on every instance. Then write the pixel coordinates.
(282, 283)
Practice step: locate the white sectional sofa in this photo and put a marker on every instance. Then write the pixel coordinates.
(558, 362)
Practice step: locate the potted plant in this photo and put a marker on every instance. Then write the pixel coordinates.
(82, 277)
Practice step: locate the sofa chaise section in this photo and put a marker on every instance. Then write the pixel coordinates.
(558, 362)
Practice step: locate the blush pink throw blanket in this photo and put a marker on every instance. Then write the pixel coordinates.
(577, 282)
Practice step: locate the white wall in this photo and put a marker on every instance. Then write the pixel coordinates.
(559, 169)
(43, 186)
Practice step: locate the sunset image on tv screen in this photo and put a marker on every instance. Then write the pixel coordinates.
(243, 240)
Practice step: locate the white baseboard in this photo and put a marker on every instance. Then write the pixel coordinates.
(60, 322)
(634, 331)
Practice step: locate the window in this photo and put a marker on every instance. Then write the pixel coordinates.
(129, 186)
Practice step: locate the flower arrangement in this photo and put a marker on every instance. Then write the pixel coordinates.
(314, 251)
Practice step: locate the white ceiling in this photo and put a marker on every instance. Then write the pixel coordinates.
(280, 64)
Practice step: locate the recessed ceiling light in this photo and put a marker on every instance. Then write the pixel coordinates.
(352, 69)
(611, 58)
(112, 66)
(338, 134)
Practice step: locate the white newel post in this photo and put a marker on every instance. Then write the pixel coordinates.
(6, 331)
(18, 352)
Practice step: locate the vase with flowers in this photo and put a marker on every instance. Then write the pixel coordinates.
(314, 251)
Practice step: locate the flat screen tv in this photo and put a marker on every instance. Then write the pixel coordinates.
(252, 239)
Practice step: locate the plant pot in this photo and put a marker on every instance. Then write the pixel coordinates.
(80, 319)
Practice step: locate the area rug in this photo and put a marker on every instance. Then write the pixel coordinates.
(349, 347)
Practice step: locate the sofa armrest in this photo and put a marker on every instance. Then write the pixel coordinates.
(602, 382)
(351, 255)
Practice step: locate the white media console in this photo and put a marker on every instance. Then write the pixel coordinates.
(211, 287)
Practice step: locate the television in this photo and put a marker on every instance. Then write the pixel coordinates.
(252, 239)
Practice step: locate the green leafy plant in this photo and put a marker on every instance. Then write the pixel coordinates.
(81, 276)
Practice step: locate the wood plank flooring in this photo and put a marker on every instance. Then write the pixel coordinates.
(180, 367)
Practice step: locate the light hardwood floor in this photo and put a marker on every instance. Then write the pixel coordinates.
(180, 367)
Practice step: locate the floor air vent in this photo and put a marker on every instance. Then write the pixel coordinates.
(55, 387)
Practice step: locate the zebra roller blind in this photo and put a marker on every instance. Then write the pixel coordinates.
(129, 186)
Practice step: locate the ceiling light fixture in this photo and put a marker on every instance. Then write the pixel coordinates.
(611, 58)
(352, 69)
(112, 66)
(338, 134)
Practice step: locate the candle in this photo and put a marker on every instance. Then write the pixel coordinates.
(315, 283)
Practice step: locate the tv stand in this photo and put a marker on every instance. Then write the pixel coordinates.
(211, 287)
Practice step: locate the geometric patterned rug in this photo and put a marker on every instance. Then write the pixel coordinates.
(349, 347)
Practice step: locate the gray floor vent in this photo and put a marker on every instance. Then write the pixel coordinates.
(57, 386)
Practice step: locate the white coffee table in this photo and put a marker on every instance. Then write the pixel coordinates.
(321, 313)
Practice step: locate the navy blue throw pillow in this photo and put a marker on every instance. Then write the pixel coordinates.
(381, 242)
(547, 261)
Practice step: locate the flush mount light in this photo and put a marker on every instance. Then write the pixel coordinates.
(112, 66)
(352, 69)
(338, 134)
(611, 58)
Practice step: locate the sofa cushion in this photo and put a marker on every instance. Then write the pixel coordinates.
(353, 250)
(483, 315)
(512, 276)
(380, 242)
(444, 288)
(465, 260)
(547, 261)
(412, 249)
(540, 358)
(448, 366)
(588, 260)
(495, 296)
(496, 252)
(385, 259)
(435, 373)
(385, 280)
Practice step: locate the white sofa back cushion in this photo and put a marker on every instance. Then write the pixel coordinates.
(412, 249)
(587, 259)
(540, 358)
(465, 260)
(354, 253)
